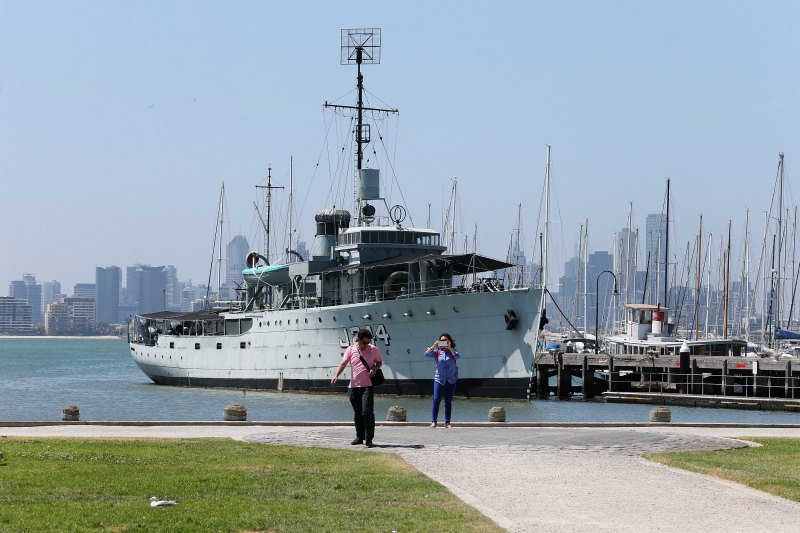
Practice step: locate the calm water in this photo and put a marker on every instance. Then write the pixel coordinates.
(38, 377)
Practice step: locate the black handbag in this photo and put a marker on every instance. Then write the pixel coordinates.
(378, 379)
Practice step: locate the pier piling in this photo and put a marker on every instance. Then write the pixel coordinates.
(70, 413)
(396, 413)
(234, 412)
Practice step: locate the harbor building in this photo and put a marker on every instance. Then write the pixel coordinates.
(15, 316)
(73, 315)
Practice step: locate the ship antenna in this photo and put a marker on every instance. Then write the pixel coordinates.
(361, 46)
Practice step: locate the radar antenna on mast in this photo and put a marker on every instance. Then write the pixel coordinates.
(361, 45)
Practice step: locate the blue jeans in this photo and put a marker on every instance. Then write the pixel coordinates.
(363, 399)
(448, 389)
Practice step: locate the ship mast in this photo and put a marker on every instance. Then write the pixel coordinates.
(269, 186)
(360, 46)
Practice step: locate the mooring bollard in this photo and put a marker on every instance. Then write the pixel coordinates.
(70, 413)
(660, 414)
(396, 413)
(497, 414)
(234, 412)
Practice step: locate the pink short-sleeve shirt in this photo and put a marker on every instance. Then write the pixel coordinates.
(359, 376)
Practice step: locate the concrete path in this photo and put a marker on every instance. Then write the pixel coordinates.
(539, 478)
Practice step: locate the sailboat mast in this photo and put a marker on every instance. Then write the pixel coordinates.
(727, 283)
(585, 277)
(746, 280)
(666, 252)
(546, 218)
(628, 254)
(219, 255)
(778, 293)
(453, 196)
(697, 300)
(708, 283)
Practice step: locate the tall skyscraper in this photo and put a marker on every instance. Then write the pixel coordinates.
(132, 277)
(51, 292)
(27, 289)
(108, 281)
(173, 288)
(236, 252)
(16, 289)
(87, 290)
(152, 282)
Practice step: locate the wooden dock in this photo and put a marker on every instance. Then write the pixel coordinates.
(564, 374)
(699, 400)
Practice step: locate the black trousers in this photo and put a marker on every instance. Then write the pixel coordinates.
(363, 400)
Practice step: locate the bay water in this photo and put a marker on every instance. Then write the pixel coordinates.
(39, 376)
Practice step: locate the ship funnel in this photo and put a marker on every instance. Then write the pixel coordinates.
(329, 222)
(369, 184)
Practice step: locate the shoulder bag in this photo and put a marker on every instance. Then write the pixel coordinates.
(378, 379)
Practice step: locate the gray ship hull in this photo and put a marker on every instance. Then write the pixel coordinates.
(299, 349)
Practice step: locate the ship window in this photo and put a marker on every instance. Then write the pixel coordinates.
(172, 345)
(219, 346)
(197, 346)
(242, 345)
(409, 238)
(366, 236)
(231, 327)
(246, 324)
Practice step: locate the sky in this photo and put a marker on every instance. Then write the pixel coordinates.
(119, 121)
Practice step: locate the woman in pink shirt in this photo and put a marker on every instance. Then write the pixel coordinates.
(361, 392)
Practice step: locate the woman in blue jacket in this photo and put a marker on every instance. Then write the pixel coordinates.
(444, 381)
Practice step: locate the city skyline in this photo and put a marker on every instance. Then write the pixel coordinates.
(121, 121)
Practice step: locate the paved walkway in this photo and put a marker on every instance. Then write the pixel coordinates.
(539, 478)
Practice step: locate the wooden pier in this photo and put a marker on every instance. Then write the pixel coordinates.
(564, 374)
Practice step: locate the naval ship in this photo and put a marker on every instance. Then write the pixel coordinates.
(368, 271)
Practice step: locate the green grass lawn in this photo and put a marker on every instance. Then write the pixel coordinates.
(773, 467)
(222, 485)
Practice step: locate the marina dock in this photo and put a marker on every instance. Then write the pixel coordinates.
(708, 381)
